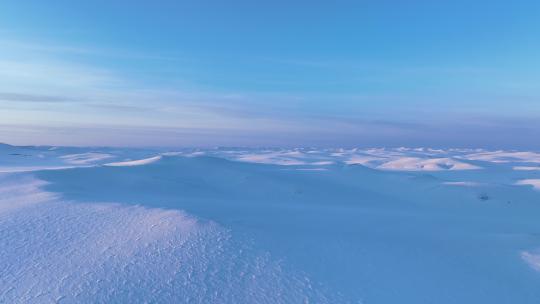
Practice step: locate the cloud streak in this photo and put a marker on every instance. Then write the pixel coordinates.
(22, 97)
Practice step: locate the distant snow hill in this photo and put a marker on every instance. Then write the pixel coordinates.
(236, 225)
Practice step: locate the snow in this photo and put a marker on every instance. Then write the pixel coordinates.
(238, 225)
(139, 162)
(271, 158)
(384, 159)
(58, 251)
(531, 182)
(419, 164)
(24, 159)
(85, 158)
(505, 156)
(526, 168)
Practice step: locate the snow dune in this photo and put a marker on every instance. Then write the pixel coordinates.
(235, 225)
(530, 182)
(505, 156)
(283, 158)
(384, 159)
(17, 159)
(25, 159)
(419, 164)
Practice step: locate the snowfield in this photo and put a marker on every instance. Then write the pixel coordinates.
(235, 225)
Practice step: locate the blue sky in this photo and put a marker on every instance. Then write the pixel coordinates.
(280, 73)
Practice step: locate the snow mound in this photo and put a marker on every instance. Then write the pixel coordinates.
(271, 158)
(526, 168)
(85, 158)
(421, 164)
(364, 160)
(385, 159)
(530, 182)
(139, 162)
(505, 156)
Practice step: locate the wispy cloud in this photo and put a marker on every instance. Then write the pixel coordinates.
(44, 94)
(53, 74)
(53, 49)
(22, 97)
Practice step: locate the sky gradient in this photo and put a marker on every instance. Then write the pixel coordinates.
(281, 73)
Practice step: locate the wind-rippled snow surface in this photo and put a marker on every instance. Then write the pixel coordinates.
(57, 251)
(108, 225)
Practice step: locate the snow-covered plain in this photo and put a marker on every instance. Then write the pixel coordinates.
(233, 225)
